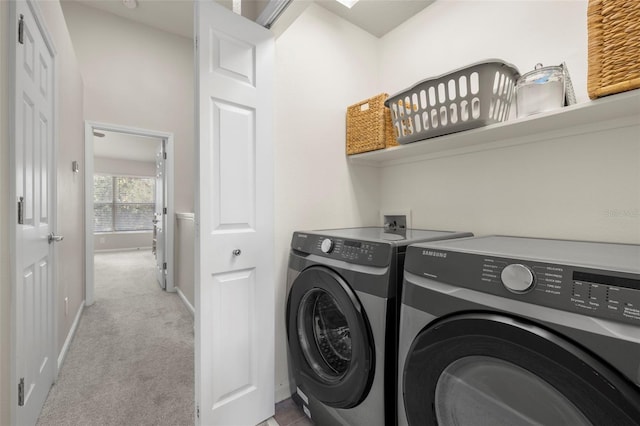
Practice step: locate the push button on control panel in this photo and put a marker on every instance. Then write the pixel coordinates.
(517, 278)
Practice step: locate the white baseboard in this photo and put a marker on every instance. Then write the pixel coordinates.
(186, 302)
(272, 422)
(69, 339)
(282, 392)
(122, 249)
(185, 216)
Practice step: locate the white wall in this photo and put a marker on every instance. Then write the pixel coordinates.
(450, 34)
(185, 245)
(558, 188)
(70, 203)
(323, 64)
(118, 166)
(123, 241)
(140, 77)
(5, 280)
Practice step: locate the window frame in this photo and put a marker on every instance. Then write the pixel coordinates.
(114, 203)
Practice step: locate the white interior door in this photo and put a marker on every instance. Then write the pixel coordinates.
(33, 154)
(234, 219)
(160, 218)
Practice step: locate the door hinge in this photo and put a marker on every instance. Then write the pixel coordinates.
(21, 30)
(164, 210)
(164, 266)
(198, 412)
(21, 392)
(164, 155)
(21, 211)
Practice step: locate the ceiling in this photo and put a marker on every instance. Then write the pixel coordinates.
(377, 17)
(125, 147)
(176, 16)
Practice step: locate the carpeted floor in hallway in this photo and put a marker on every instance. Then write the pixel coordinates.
(131, 362)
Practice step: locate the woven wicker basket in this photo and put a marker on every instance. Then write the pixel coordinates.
(614, 46)
(369, 126)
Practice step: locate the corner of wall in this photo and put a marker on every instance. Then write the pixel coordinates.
(288, 17)
(309, 137)
(70, 146)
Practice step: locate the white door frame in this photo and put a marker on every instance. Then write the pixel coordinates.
(89, 127)
(13, 214)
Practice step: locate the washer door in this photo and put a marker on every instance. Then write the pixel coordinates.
(329, 338)
(484, 369)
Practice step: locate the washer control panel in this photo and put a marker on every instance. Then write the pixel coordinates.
(598, 293)
(352, 251)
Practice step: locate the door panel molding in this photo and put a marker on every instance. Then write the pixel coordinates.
(232, 57)
(234, 303)
(233, 166)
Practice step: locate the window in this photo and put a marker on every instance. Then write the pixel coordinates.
(122, 203)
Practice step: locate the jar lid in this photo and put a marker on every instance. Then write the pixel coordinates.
(542, 75)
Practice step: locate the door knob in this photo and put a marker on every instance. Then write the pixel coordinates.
(55, 238)
(237, 252)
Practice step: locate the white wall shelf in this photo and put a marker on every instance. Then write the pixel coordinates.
(613, 111)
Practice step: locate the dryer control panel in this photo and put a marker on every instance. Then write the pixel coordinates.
(352, 251)
(607, 294)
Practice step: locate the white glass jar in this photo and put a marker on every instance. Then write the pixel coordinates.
(540, 90)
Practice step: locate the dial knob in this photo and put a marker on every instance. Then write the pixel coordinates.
(517, 278)
(326, 246)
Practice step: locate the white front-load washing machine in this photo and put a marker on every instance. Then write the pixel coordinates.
(520, 331)
(341, 319)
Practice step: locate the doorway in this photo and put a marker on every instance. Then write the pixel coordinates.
(114, 224)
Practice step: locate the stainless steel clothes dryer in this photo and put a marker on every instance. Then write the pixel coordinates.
(519, 331)
(341, 319)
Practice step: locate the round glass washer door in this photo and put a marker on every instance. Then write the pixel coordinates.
(485, 391)
(330, 342)
(482, 368)
(324, 335)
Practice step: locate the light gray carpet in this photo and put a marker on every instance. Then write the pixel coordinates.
(131, 362)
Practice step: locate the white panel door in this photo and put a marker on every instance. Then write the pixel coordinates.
(160, 218)
(33, 150)
(234, 218)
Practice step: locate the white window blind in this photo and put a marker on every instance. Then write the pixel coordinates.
(122, 203)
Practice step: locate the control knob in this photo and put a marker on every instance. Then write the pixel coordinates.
(517, 278)
(326, 246)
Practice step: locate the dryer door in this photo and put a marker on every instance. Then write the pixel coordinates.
(329, 339)
(486, 369)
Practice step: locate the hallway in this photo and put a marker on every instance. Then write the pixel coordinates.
(131, 361)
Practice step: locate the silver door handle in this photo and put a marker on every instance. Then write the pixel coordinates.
(55, 238)
(237, 252)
